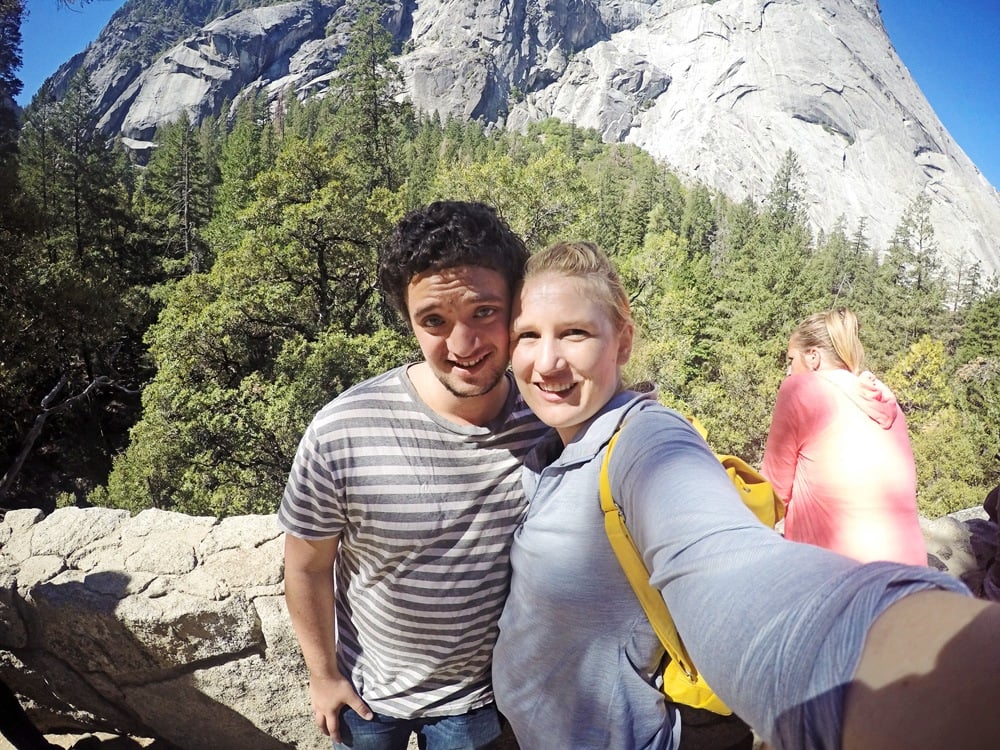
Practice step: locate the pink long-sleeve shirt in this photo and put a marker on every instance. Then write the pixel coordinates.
(838, 453)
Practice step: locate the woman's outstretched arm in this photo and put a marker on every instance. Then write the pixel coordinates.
(929, 677)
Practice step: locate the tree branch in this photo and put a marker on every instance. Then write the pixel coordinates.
(47, 410)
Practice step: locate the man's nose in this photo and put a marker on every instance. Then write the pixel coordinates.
(463, 339)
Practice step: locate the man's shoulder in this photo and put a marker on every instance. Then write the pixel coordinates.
(371, 402)
(382, 388)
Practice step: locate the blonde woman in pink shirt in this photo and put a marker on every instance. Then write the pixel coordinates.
(838, 452)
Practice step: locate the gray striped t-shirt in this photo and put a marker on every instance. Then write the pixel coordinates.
(426, 510)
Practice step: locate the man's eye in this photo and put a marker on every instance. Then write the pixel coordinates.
(432, 322)
(485, 312)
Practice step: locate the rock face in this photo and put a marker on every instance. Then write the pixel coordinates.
(718, 89)
(161, 625)
(174, 627)
(965, 544)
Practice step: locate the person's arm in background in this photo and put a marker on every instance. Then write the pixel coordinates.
(310, 599)
(928, 677)
(782, 450)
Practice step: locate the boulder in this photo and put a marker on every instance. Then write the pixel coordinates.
(159, 625)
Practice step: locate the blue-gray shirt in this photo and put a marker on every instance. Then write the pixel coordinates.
(775, 627)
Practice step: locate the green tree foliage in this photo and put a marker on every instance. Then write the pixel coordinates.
(980, 335)
(74, 314)
(174, 200)
(977, 384)
(207, 449)
(245, 151)
(951, 473)
(249, 350)
(762, 282)
(949, 442)
(75, 177)
(698, 221)
(671, 298)
(424, 156)
(784, 205)
(911, 286)
(763, 263)
(921, 380)
(232, 278)
(369, 118)
(11, 12)
(542, 197)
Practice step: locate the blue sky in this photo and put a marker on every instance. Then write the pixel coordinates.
(951, 49)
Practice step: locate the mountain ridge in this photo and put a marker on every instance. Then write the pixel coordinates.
(718, 90)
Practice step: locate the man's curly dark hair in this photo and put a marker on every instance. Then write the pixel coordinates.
(449, 234)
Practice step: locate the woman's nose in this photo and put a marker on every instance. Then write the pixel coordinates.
(550, 357)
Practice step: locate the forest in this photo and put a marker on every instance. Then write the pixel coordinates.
(169, 326)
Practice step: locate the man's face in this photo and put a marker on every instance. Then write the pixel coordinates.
(460, 317)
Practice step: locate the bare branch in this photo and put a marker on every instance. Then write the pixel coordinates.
(47, 410)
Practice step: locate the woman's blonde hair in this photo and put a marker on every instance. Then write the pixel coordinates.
(587, 262)
(835, 333)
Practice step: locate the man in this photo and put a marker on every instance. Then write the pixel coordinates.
(408, 487)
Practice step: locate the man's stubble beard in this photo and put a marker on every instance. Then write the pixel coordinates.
(497, 377)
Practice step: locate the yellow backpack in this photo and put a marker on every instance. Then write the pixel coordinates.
(681, 681)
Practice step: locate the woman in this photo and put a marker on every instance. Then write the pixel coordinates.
(838, 452)
(776, 628)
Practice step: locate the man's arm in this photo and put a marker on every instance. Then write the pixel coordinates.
(928, 677)
(309, 596)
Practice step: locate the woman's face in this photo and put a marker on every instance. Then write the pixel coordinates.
(566, 355)
(801, 360)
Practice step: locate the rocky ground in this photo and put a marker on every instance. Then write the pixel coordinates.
(114, 742)
(92, 742)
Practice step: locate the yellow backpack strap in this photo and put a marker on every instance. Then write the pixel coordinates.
(699, 427)
(635, 570)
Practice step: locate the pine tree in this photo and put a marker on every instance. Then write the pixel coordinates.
(910, 283)
(981, 332)
(289, 312)
(11, 12)
(174, 199)
(424, 159)
(784, 204)
(244, 153)
(76, 349)
(370, 119)
(75, 177)
(698, 224)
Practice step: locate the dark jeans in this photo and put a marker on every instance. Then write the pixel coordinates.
(476, 730)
